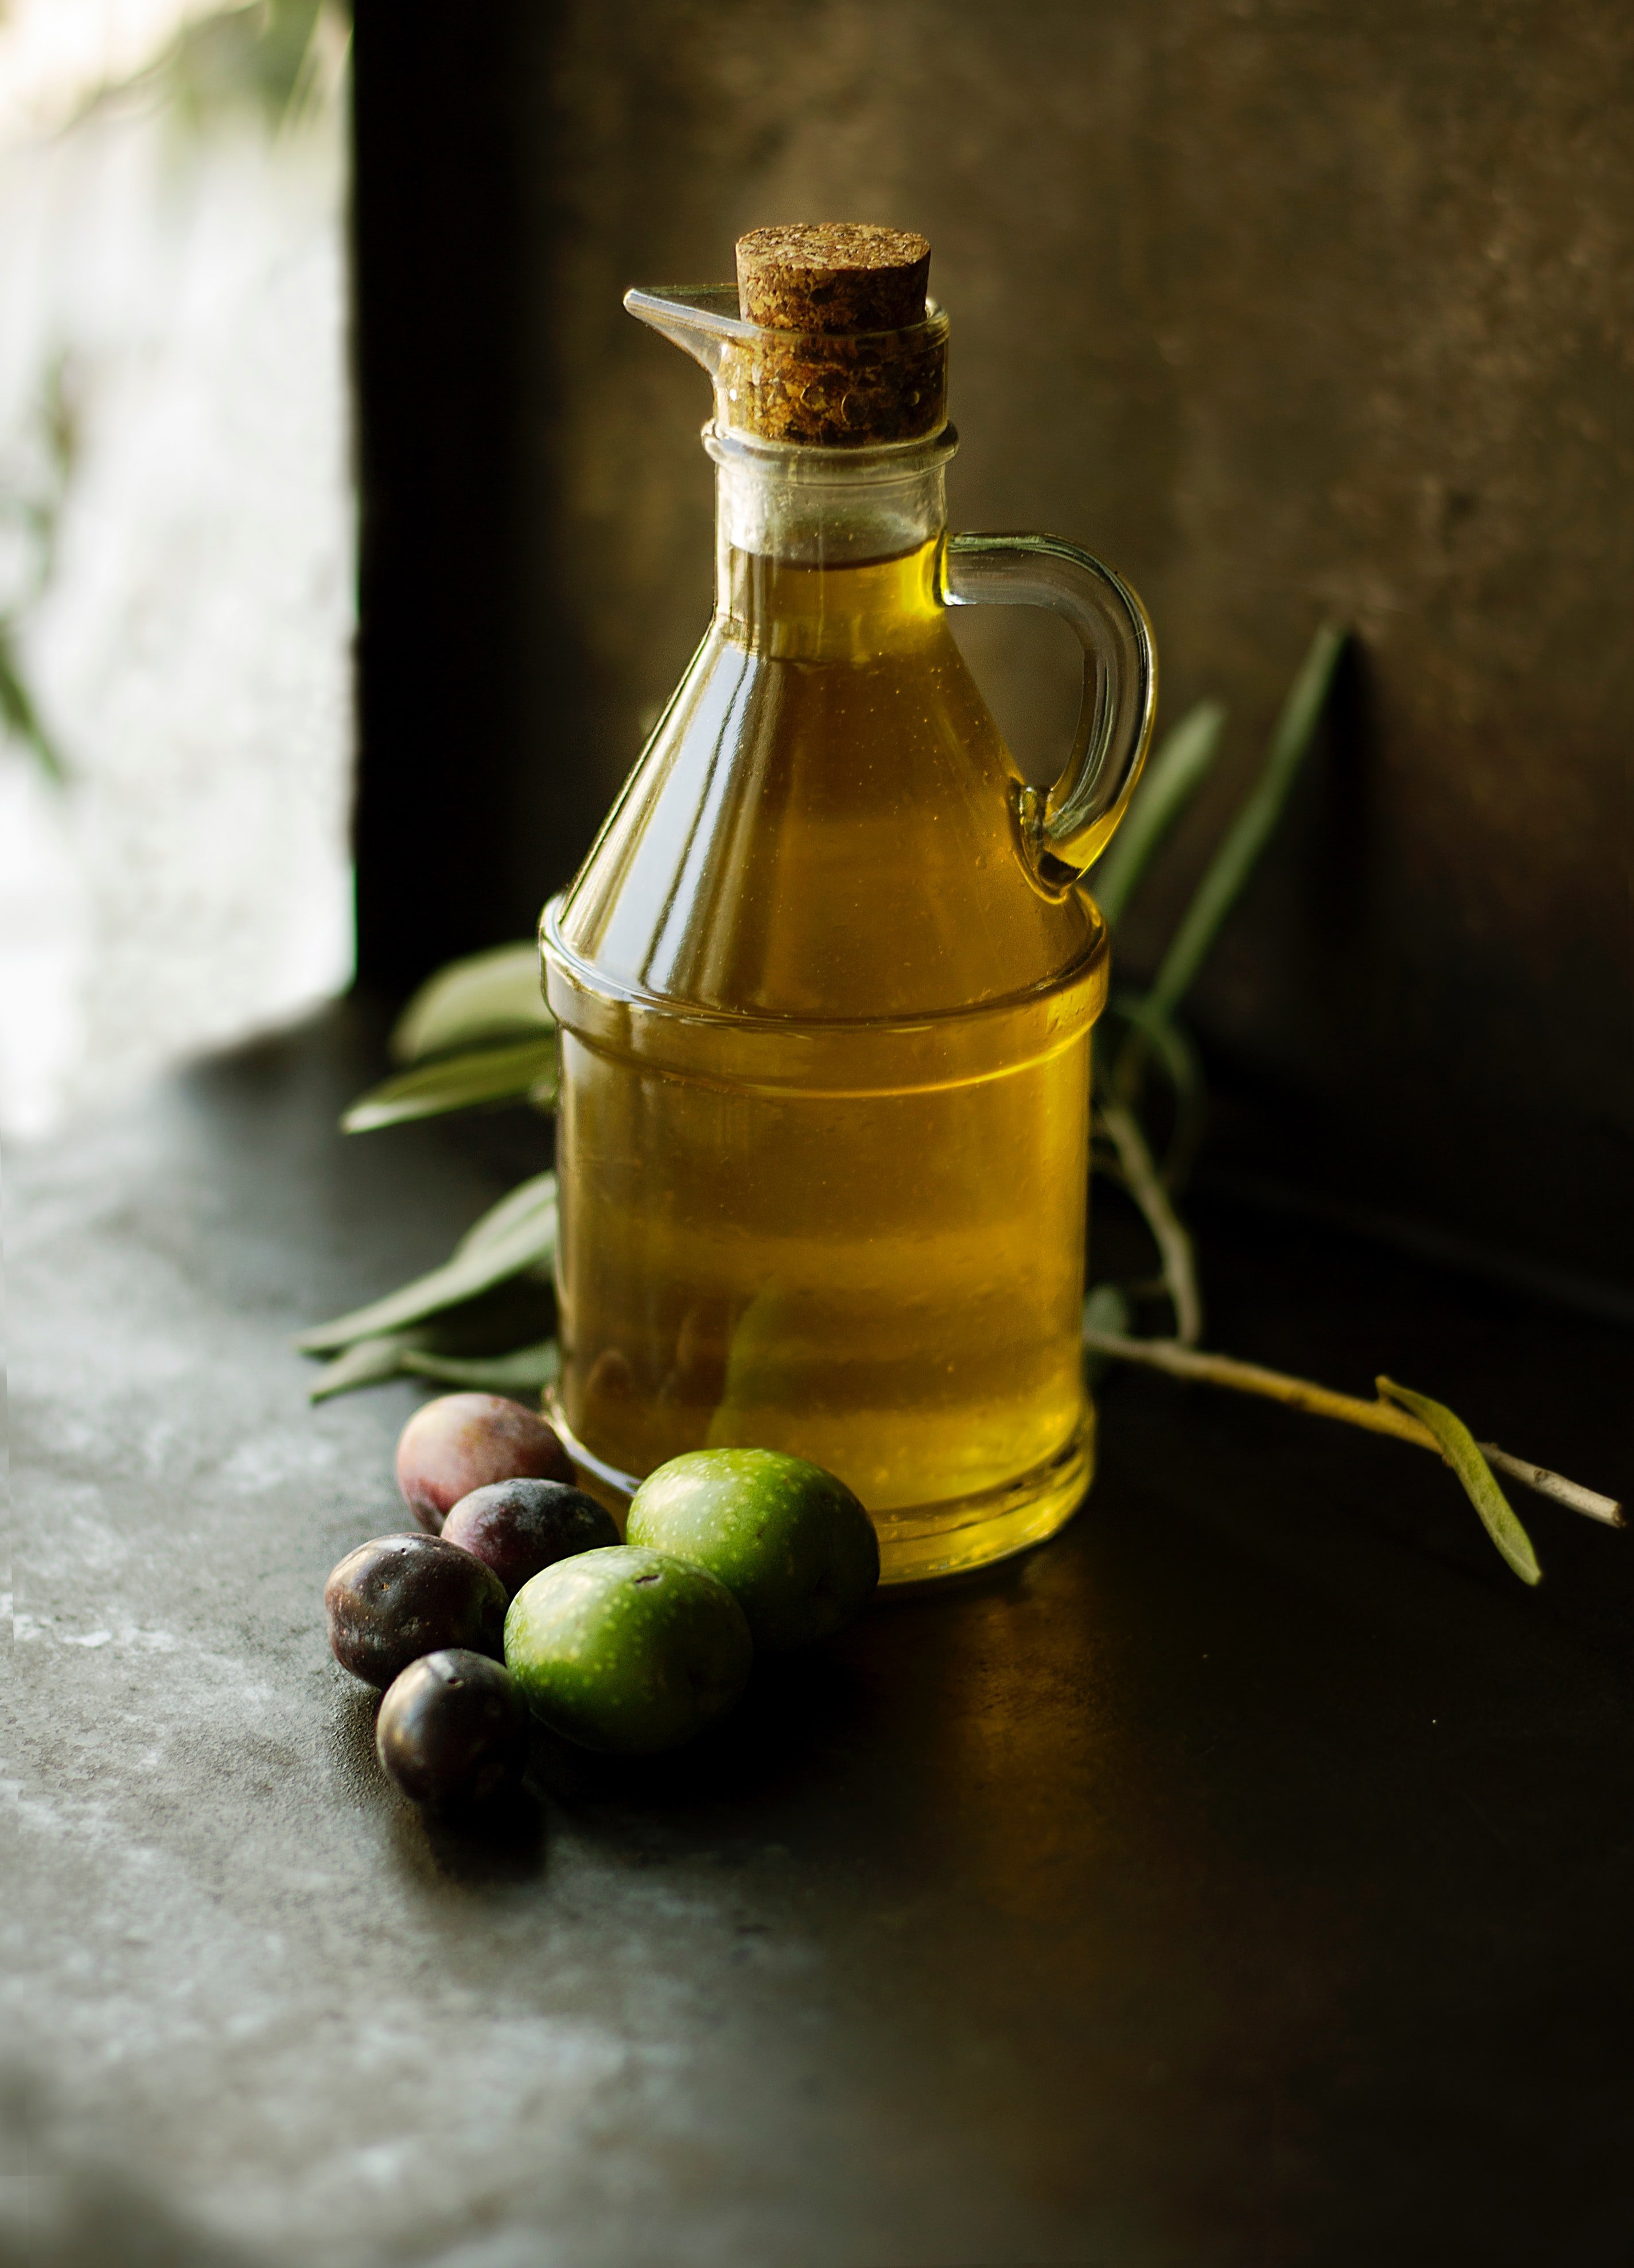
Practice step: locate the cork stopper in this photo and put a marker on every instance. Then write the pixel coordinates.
(862, 363)
(833, 276)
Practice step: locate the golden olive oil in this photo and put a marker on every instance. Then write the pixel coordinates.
(825, 1079)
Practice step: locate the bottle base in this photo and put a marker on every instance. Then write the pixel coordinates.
(920, 1542)
(923, 1542)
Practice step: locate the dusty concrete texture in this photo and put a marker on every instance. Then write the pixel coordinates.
(1242, 1878)
(1292, 309)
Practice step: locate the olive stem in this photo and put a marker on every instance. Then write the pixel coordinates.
(1322, 1401)
(1145, 1184)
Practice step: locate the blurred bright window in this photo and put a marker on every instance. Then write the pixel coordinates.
(176, 537)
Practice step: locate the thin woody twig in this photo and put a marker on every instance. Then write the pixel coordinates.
(1589, 1502)
(1145, 1184)
(1322, 1401)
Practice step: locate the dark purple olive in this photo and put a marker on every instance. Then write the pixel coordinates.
(462, 1441)
(516, 1527)
(453, 1728)
(391, 1601)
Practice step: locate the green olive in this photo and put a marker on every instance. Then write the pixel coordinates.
(789, 1541)
(627, 1650)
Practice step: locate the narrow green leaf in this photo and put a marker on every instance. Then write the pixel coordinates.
(18, 712)
(1233, 863)
(486, 996)
(527, 1200)
(530, 1243)
(525, 1370)
(526, 1071)
(368, 1362)
(1171, 777)
(1459, 1447)
(515, 1312)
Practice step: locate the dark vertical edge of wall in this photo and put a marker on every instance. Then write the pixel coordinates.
(439, 353)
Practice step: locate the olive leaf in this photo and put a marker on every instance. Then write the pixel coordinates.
(523, 1071)
(1171, 777)
(1233, 862)
(525, 1201)
(366, 1362)
(486, 996)
(1459, 1447)
(515, 1313)
(1152, 1029)
(525, 1370)
(528, 1241)
(18, 712)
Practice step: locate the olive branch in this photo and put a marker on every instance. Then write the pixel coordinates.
(478, 1034)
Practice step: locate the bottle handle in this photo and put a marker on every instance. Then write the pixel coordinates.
(1065, 830)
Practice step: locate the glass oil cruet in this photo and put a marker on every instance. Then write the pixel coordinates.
(827, 979)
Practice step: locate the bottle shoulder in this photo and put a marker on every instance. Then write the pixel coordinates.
(820, 838)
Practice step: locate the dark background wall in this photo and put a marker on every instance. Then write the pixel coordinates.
(1290, 308)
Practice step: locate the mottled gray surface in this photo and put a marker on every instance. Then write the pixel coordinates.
(1291, 307)
(1242, 1878)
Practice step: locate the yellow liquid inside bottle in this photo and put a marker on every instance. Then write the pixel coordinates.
(823, 1131)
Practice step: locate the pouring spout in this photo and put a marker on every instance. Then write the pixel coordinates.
(701, 320)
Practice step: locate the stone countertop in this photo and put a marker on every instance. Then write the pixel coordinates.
(1243, 1878)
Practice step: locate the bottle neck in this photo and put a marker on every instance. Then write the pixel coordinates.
(824, 541)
